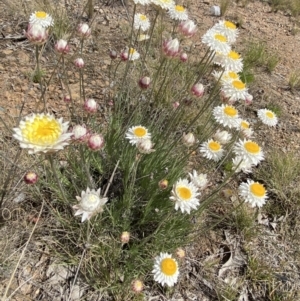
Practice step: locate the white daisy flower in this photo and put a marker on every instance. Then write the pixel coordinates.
(253, 193)
(41, 18)
(249, 151)
(239, 164)
(216, 41)
(133, 54)
(227, 116)
(228, 29)
(226, 76)
(231, 61)
(165, 269)
(185, 195)
(178, 12)
(235, 90)
(137, 133)
(141, 22)
(223, 137)
(267, 117)
(199, 180)
(164, 4)
(42, 133)
(90, 203)
(212, 150)
(245, 128)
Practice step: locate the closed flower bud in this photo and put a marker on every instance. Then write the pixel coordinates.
(83, 30)
(198, 90)
(30, 177)
(125, 236)
(79, 63)
(183, 57)
(37, 34)
(61, 46)
(188, 28)
(95, 142)
(163, 184)
(67, 98)
(80, 133)
(113, 54)
(188, 139)
(248, 99)
(145, 146)
(171, 47)
(144, 82)
(90, 105)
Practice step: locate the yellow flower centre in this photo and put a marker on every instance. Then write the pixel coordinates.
(252, 147)
(184, 193)
(40, 14)
(91, 198)
(168, 266)
(239, 85)
(233, 55)
(220, 38)
(229, 24)
(214, 146)
(233, 75)
(258, 189)
(143, 17)
(179, 8)
(230, 111)
(270, 115)
(42, 131)
(140, 132)
(245, 125)
(131, 51)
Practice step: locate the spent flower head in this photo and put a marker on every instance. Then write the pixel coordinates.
(199, 180)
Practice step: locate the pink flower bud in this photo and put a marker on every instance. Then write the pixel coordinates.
(171, 47)
(30, 178)
(183, 57)
(67, 98)
(36, 34)
(249, 99)
(144, 82)
(79, 63)
(125, 237)
(80, 133)
(95, 142)
(62, 46)
(113, 54)
(124, 55)
(198, 90)
(188, 28)
(163, 184)
(83, 30)
(175, 104)
(90, 105)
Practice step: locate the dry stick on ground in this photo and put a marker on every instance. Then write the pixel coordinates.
(21, 257)
(87, 244)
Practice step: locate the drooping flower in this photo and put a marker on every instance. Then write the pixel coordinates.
(228, 29)
(229, 61)
(188, 28)
(235, 90)
(165, 270)
(249, 151)
(164, 4)
(90, 203)
(62, 47)
(184, 194)
(95, 142)
(30, 178)
(199, 180)
(141, 22)
(212, 150)
(216, 41)
(171, 47)
(267, 117)
(253, 193)
(37, 34)
(83, 30)
(136, 134)
(41, 18)
(42, 133)
(223, 137)
(178, 12)
(227, 116)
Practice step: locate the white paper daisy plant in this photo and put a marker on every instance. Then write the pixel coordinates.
(42, 133)
(185, 195)
(253, 193)
(137, 133)
(267, 117)
(227, 116)
(165, 270)
(41, 18)
(212, 150)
